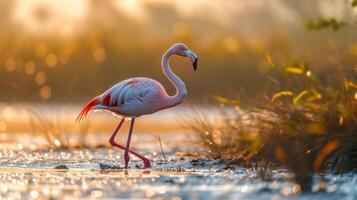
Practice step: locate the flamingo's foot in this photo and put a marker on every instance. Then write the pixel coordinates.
(126, 160)
(147, 163)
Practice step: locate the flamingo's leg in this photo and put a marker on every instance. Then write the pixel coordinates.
(126, 154)
(113, 143)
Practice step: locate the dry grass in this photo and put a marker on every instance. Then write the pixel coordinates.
(56, 127)
(311, 129)
(55, 134)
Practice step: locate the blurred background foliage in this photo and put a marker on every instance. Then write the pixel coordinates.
(69, 51)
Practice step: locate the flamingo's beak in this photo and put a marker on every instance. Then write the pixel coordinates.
(192, 56)
(195, 64)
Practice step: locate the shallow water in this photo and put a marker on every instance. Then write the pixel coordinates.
(99, 173)
(30, 169)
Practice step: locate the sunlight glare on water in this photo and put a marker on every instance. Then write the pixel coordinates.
(98, 173)
(90, 178)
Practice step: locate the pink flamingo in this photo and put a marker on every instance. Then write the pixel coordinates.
(139, 96)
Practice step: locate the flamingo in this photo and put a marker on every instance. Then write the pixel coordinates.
(139, 96)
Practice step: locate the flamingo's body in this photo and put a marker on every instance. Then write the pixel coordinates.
(139, 96)
(132, 98)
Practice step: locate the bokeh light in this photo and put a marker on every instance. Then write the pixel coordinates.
(40, 78)
(45, 92)
(10, 64)
(30, 67)
(51, 60)
(50, 40)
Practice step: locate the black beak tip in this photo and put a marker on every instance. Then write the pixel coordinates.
(195, 64)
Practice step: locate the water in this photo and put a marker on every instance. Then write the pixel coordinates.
(30, 169)
(99, 173)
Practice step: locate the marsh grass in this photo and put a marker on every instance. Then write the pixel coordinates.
(56, 135)
(312, 128)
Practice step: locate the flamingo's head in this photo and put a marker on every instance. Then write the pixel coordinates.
(182, 50)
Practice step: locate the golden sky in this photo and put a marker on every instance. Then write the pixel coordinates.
(68, 16)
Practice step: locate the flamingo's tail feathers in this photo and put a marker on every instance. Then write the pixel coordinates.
(86, 109)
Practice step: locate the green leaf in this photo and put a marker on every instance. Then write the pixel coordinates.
(299, 96)
(294, 70)
(281, 94)
(224, 100)
(354, 3)
(315, 95)
(352, 85)
(324, 24)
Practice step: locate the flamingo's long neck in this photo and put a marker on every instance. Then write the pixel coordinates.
(181, 91)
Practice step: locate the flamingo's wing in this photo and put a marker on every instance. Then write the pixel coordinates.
(134, 91)
(132, 97)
